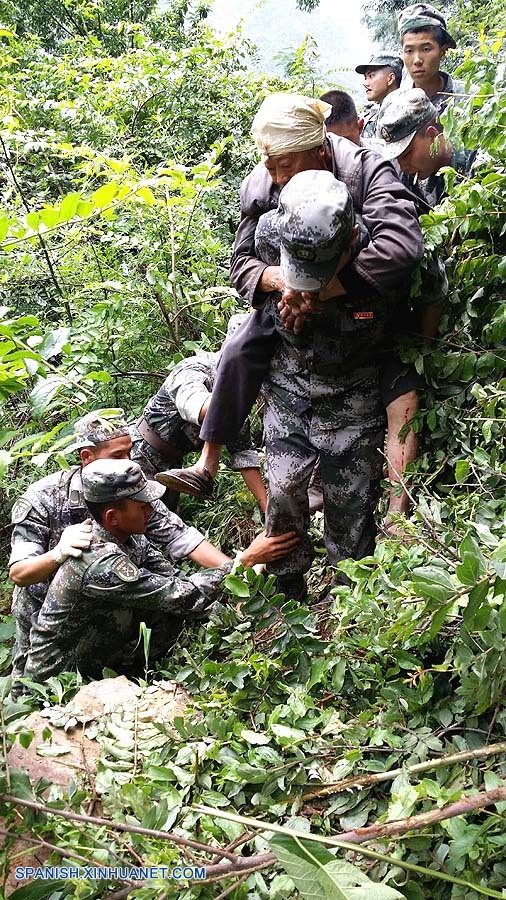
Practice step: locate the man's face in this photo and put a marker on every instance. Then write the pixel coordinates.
(422, 57)
(419, 158)
(132, 517)
(282, 168)
(378, 83)
(117, 448)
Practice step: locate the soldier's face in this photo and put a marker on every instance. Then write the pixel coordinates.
(420, 157)
(378, 83)
(132, 517)
(118, 448)
(282, 168)
(422, 57)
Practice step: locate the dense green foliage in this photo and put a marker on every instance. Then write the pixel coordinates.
(124, 137)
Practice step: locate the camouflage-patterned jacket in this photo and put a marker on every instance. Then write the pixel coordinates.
(378, 196)
(88, 615)
(173, 414)
(53, 502)
(433, 189)
(370, 117)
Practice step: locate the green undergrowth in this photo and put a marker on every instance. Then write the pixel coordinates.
(402, 666)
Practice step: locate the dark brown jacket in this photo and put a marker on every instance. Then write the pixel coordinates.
(383, 202)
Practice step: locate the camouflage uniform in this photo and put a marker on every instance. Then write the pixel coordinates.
(433, 189)
(94, 604)
(422, 17)
(322, 399)
(173, 415)
(380, 60)
(39, 518)
(370, 116)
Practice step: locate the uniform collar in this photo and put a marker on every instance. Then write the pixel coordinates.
(102, 534)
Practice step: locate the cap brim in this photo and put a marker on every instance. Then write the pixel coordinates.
(362, 69)
(393, 149)
(153, 491)
(306, 276)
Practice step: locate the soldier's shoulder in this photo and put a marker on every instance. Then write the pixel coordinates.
(42, 494)
(104, 559)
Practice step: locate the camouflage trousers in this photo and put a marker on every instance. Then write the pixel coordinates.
(344, 427)
(25, 609)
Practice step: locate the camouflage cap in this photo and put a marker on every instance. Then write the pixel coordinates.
(379, 60)
(100, 426)
(316, 221)
(107, 480)
(267, 243)
(423, 15)
(400, 116)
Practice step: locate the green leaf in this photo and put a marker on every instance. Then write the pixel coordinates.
(105, 194)
(49, 216)
(38, 890)
(318, 875)
(53, 749)
(84, 209)
(214, 798)
(477, 612)
(42, 394)
(53, 342)
(146, 194)
(33, 220)
(461, 470)
(254, 737)
(432, 583)
(438, 618)
(4, 227)
(25, 738)
(237, 586)
(68, 206)
(286, 734)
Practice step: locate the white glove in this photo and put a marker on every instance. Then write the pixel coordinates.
(74, 539)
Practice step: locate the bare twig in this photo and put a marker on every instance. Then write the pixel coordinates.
(119, 826)
(377, 777)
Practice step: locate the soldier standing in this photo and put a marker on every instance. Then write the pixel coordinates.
(425, 41)
(382, 75)
(290, 133)
(322, 394)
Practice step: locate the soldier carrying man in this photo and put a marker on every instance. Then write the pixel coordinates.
(300, 143)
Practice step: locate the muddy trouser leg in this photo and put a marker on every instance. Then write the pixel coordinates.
(243, 365)
(290, 460)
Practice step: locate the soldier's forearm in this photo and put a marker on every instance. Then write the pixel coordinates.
(208, 556)
(34, 569)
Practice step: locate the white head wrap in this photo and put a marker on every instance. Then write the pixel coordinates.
(289, 123)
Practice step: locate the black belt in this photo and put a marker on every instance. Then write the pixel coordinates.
(156, 442)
